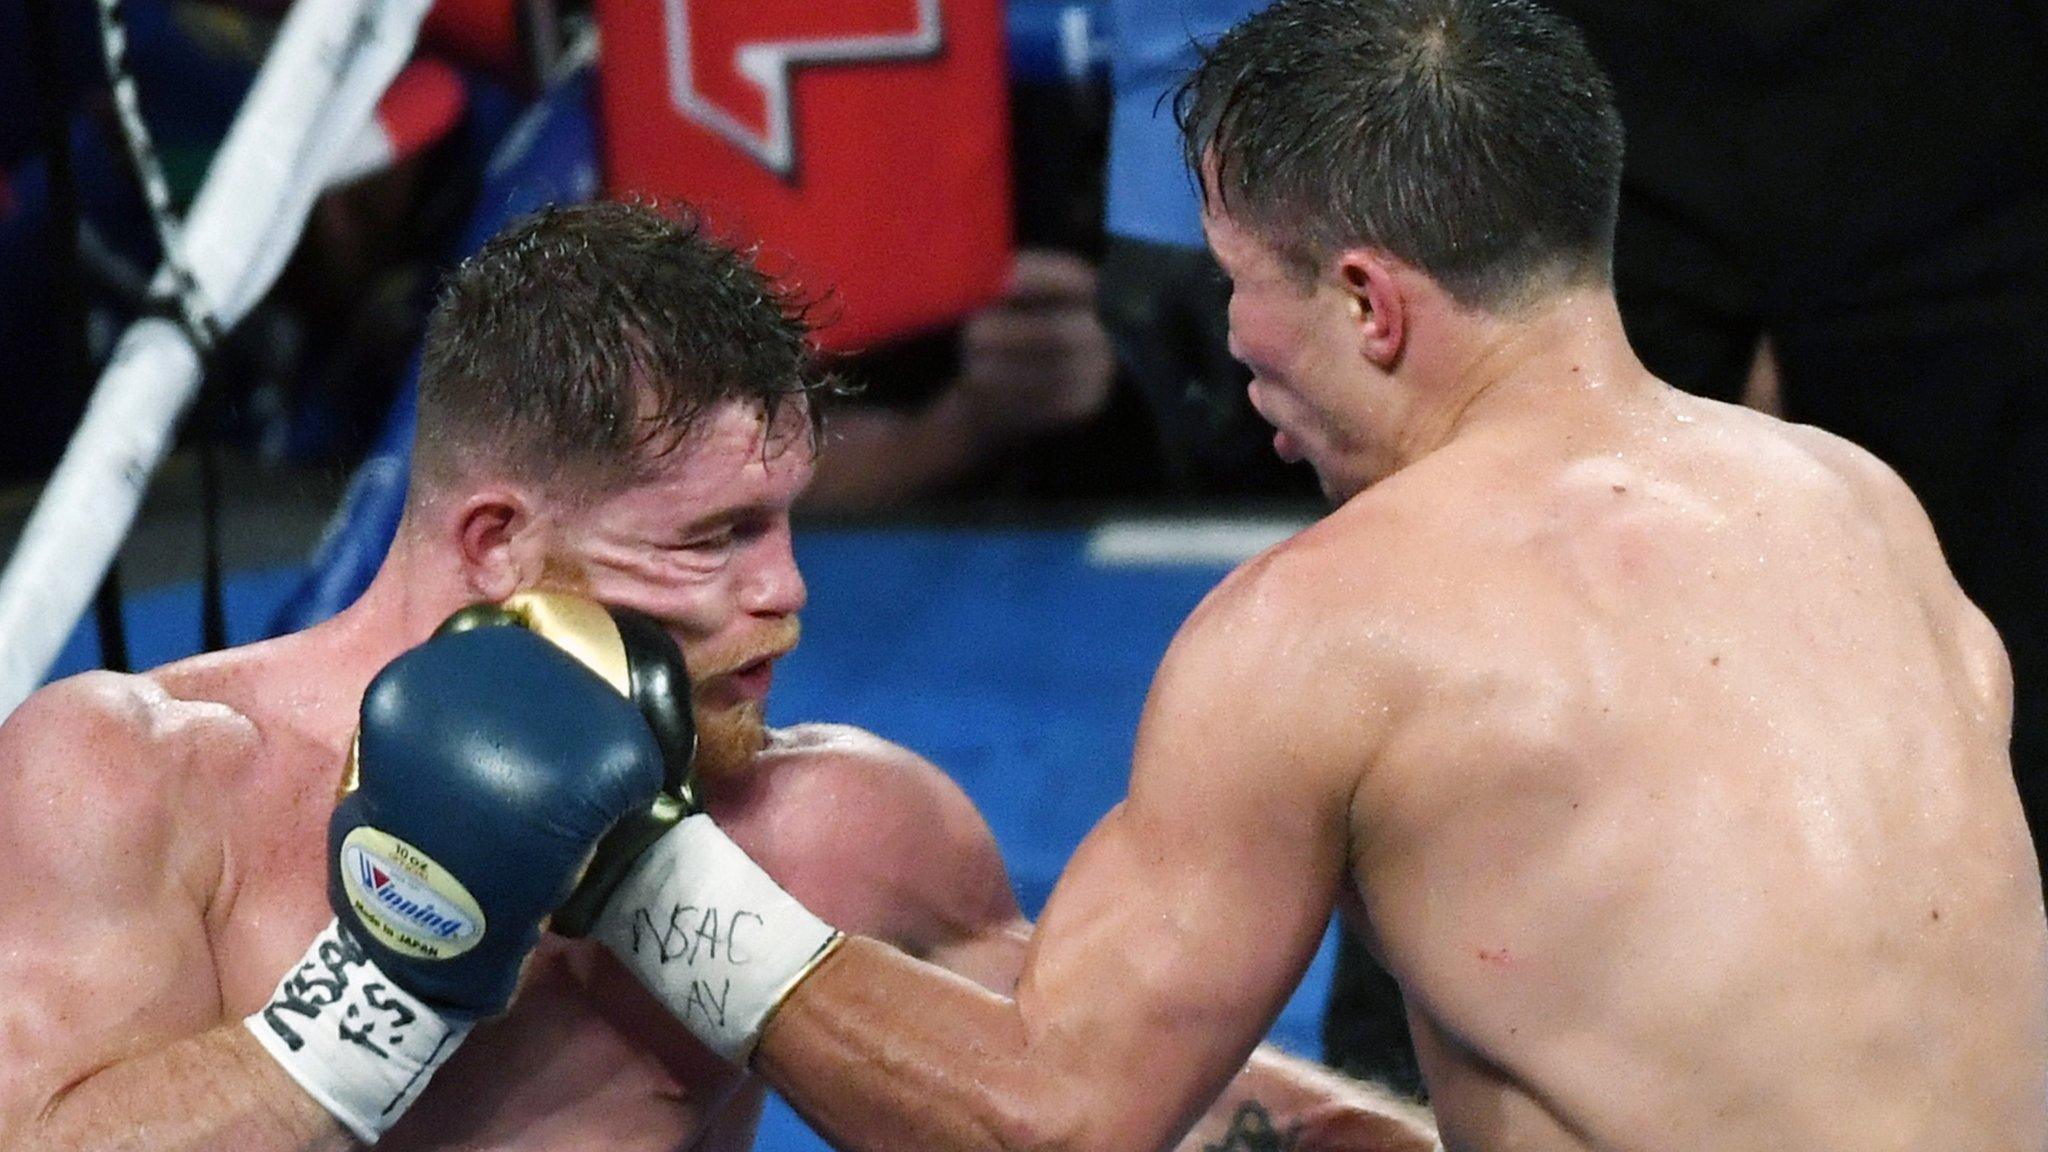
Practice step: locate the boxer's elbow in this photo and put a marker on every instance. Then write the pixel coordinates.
(1035, 1124)
(1070, 1113)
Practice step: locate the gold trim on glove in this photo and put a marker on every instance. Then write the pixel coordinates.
(578, 626)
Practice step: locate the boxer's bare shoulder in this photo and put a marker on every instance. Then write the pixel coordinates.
(296, 685)
(882, 820)
(101, 760)
(115, 857)
(873, 837)
(1883, 497)
(1320, 621)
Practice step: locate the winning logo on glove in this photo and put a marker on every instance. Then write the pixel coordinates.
(413, 905)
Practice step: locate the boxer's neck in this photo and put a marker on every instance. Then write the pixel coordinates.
(1563, 350)
(413, 591)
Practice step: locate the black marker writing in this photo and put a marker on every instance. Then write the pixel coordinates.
(691, 935)
(364, 1037)
(704, 1001)
(321, 979)
(326, 984)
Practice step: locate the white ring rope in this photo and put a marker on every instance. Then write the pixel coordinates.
(316, 92)
(176, 273)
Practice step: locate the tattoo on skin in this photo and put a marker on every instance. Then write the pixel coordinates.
(1252, 1130)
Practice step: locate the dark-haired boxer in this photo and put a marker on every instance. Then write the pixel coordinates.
(613, 405)
(1650, 738)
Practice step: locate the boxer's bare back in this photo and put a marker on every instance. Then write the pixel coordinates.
(1696, 826)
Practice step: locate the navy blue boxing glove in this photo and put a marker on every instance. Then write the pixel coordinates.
(491, 763)
(665, 880)
(640, 660)
(488, 765)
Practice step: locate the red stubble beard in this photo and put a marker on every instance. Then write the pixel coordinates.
(730, 737)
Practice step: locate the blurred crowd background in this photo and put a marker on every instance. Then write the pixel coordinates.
(1833, 209)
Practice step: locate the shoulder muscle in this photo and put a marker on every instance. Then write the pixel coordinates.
(880, 835)
(110, 860)
(101, 761)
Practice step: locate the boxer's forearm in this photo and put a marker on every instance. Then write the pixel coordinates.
(961, 1074)
(1279, 1101)
(879, 1059)
(217, 1090)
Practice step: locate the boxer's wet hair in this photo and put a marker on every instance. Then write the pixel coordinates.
(1476, 140)
(582, 343)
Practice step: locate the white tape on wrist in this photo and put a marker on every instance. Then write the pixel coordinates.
(718, 941)
(355, 1041)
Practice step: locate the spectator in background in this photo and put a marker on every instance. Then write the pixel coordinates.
(1020, 404)
(1035, 362)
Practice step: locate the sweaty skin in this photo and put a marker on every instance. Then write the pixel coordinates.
(200, 875)
(1649, 740)
(1699, 828)
(165, 838)
(168, 834)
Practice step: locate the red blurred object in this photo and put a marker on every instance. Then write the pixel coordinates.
(481, 33)
(421, 106)
(863, 143)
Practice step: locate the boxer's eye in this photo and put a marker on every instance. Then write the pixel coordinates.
(710, 541)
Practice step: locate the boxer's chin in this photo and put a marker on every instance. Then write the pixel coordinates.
(728, 740)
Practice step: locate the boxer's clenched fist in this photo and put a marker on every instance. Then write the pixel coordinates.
(488, 765)
(639, 659)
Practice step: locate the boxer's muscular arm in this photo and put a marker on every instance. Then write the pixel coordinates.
(1282, 1101)
(947, 899)
(111, 1029)
(218, 1089)
(1276, 1096)
(1168, 947)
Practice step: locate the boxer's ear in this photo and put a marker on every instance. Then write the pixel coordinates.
(501, 542)
(1379, 308)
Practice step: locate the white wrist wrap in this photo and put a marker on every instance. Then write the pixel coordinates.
(707, 931)
(356, 1042)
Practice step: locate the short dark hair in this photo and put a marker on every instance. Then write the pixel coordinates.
(582, 343)
(1476, 140)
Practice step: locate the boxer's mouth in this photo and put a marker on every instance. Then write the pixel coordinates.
(753, 679)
